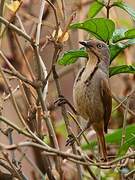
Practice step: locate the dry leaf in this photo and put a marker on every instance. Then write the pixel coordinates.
(13, 6)
(61, 38)
(10, 10)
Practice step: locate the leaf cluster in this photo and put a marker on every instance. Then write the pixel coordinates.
(104, 29)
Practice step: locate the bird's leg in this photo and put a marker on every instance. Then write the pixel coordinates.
(102, 144)
(62, 100)
(71, 139)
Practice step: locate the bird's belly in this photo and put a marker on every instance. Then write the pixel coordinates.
(87, 101)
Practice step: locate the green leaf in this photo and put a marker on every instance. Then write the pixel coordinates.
(115, 49)
(121, 69)
(130, 34)
(70, 57)
(121, 34)
(113, 138)
(118, 35)
(95, 7)
(126, 8)
(101, 28)
(124, 148)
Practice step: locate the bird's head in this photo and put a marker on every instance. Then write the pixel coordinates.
(98, 48)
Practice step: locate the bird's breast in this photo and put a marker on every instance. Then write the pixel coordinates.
(86, 96)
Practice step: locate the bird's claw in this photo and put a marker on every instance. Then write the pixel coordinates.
(71, 140)
(61, 100)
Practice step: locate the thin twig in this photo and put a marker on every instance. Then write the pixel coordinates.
(124, 123)
(77, 123)
(25, 97)
(46, 117)
(13, 98)
(42, 73)
(20, 22)
(63, 9)
(66, 27)
(12, 166)
(64, 112)
(31, 163)
(19, 130)
(67, 155)
(16, 29)
(13, 91)
(56, 18)
(12, 18)
(24, 57)
(14, 71)
(122, 104)
(7, 167)
(129, 174)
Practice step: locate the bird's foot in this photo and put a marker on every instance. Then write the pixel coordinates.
(61, 100)
(71, 140)
(104, 159)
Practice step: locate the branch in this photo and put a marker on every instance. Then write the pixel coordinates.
(122, 104)
(16, 29)
(19, 130)
(79, 159)
(14, 71)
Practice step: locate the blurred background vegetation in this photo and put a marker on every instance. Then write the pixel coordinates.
(64, 24)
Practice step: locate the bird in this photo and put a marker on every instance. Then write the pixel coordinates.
(92, 93)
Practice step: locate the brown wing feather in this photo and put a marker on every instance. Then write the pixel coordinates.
(107, 102)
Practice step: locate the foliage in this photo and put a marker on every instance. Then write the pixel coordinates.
(104, 29)
(115, 138)
(101, 28)
(119, 39)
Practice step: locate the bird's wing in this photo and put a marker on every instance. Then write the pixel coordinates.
(107, 101)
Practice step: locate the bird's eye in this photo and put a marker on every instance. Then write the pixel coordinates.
(99, 46)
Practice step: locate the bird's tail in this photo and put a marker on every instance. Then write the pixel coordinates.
(102, 144)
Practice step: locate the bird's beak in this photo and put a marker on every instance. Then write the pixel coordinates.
(85, 43)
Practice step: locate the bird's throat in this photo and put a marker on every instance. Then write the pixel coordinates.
(90, 69)
(92, 62)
